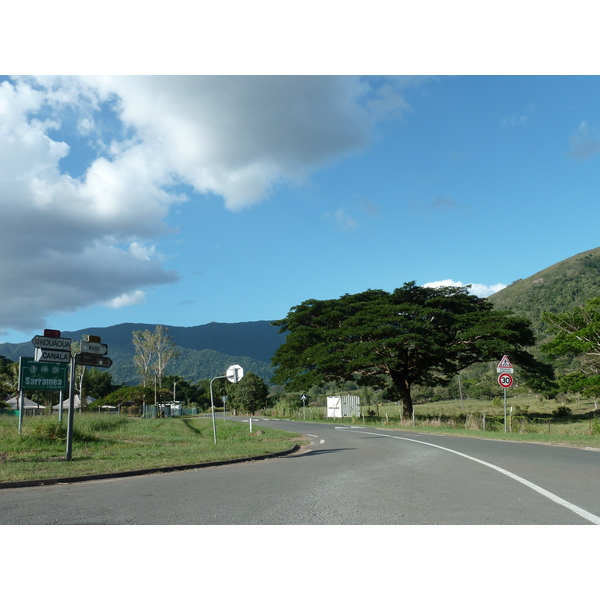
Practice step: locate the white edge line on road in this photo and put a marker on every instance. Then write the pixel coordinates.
(572, 507)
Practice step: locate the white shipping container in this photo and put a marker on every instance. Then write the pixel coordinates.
(343, 406)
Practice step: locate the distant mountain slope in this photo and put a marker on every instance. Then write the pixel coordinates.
(561, 287)
(203, 348)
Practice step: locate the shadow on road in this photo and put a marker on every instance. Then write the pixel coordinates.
(309, 452)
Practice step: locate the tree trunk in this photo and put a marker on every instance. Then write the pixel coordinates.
(403, 388)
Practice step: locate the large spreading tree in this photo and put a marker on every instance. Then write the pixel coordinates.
(413, 335)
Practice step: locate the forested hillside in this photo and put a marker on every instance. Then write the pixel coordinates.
(205, 350)
(561, 287)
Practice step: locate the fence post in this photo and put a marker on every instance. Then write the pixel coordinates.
(483, 421)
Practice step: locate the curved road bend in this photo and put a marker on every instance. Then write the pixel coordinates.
(348, 475)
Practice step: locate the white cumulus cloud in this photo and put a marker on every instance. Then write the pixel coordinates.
(90, 168)
(136, 297)
(478, 289)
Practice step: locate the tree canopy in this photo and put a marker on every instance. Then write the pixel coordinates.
(414, 335)
(249, 394)
(153, 352)
(577, 333)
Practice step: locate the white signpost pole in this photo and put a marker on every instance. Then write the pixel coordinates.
(504, 410)
(69, 453)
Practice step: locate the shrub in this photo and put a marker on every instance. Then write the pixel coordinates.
(562, 411)
(49, 430)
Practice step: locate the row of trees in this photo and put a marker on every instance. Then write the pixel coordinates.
(154, 351)
(414, 337)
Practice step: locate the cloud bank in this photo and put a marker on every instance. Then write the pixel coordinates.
(91, 166)
(478, 289)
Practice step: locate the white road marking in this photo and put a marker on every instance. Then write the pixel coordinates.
(322, 442)
(565, 503)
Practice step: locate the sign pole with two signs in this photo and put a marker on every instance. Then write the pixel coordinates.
(505, 379)
(91, 355)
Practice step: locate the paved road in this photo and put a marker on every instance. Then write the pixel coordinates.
(349, 475)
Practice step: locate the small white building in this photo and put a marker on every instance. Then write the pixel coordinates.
(28, 405)
(77, 402)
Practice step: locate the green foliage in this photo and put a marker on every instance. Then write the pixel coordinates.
(8, 378)
(577, 332)
(137, 394)
(413, 336)
(98, 383)
(248, 395)
(187, 391)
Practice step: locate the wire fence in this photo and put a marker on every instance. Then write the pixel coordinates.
(589, 426)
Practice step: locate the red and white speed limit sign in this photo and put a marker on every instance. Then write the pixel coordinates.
(505, 380)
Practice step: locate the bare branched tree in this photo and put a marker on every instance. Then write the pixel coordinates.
(154, 351)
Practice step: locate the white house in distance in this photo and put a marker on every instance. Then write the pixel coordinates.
(28, 405)
(77, 402)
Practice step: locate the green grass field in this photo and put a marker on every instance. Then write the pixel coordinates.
(113, 443)
(531, 419)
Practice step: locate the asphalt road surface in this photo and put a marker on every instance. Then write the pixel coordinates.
(348, 475)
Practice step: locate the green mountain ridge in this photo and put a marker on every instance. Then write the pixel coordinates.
(560, 287)
(205, 350)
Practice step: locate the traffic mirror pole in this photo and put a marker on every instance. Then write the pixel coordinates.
(212, 406)
(234, 374)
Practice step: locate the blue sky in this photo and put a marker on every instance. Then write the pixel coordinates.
(185, 200)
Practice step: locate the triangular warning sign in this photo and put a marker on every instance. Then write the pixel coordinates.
(504, 363)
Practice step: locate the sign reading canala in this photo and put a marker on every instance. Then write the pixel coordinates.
(42, 354)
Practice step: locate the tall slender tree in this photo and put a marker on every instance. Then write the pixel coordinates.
(153, 352)
(142, 342)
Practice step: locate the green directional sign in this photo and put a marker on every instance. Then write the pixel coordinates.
(42, 376)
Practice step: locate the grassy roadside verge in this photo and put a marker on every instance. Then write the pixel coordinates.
(529, 419)
(574, 439)
(112, 444)
(577, 435)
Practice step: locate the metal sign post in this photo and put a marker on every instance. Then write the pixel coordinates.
(69, 453)
(505, 379)
(21, 409)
